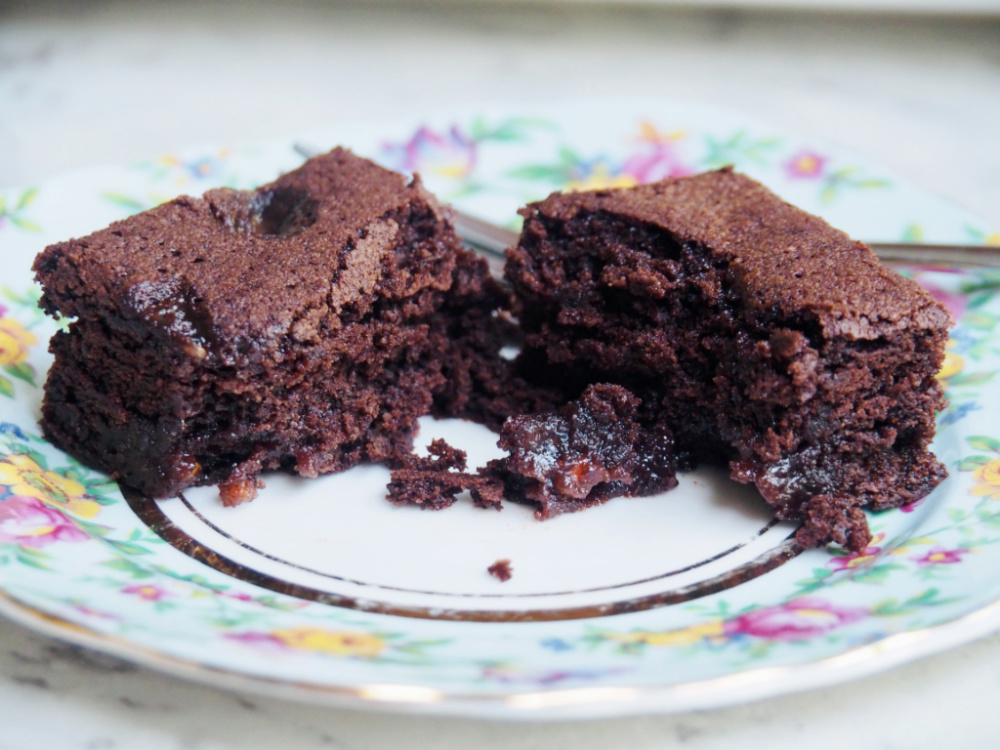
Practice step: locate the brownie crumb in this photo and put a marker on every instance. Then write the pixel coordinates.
(835, 518)
(487, 491)
(590, 451)
(434, 482)
(239, 491)
(443, 457)
(501, 570)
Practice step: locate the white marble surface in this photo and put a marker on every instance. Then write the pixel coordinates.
(90, 83)
(55, 696)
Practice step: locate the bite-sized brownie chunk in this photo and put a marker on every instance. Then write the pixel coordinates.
(434, 483)
(304, 325)
(590, 451)
(759, 333)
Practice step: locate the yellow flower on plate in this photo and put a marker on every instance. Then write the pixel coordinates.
(650, 133)
(453, 171)
(15, 340)
(952, 365)
(24, 477)
(600, 178)
(682, 637)
(336, 642)
(987, 479)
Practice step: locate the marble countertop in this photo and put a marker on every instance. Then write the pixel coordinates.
(103, 82)
(58, 696)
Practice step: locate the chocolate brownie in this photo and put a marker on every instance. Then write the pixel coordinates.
(757, 332)
(304, 325)
(590, 451)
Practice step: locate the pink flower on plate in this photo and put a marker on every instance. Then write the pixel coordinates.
(513, 675)
(83, 609)
(238, 595)
(806, 165)
(146, 591)
(941, 556)
(856, 559)
(452, 154)
(654, 165)
(910, 507)
(657, 158)
(32, 523)
(796, 620)
(264, 640)
(956, 302)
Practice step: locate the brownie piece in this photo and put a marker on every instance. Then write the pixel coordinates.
(590, 451)
(434, 483)
(304, 325)
(757, 332)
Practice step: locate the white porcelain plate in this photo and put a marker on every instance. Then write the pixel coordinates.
(321, 590)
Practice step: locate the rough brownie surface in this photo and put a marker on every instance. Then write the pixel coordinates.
(592, 450)
(757, 332)
(304, 325)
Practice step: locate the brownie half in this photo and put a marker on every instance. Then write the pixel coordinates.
(304, 325)
(758, 333)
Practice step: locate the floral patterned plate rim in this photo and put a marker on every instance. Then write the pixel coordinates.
(78, 563)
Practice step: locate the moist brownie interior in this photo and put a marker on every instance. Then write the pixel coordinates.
(304, 325)
(590, 451)
(761, 335)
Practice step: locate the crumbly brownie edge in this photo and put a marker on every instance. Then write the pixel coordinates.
(417, 372)
(570, 293)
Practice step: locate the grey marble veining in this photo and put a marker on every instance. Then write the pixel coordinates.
(106, 82)
(54, 695)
